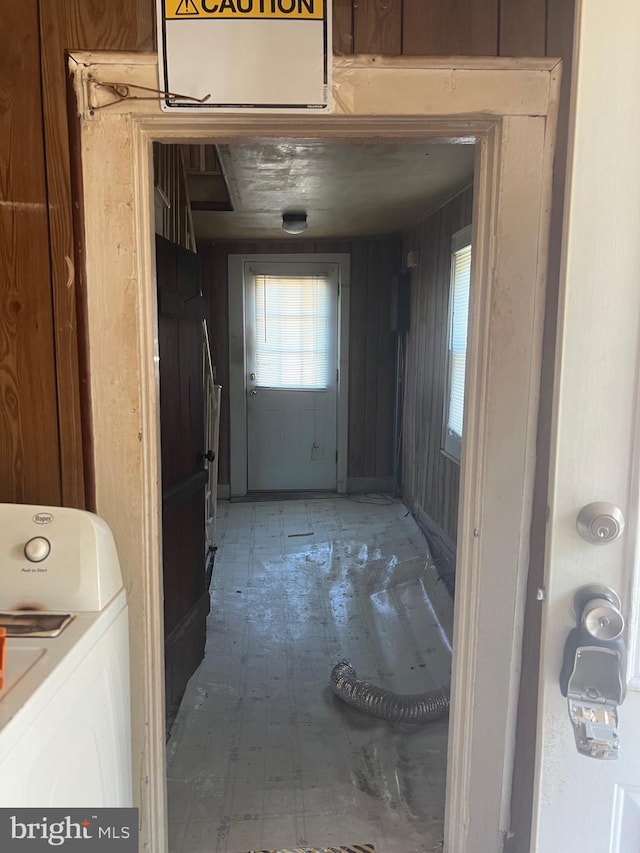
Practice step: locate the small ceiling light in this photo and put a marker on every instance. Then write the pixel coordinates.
(294, 223)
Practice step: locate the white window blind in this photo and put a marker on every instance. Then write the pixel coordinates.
(292, 331)
(458, 322)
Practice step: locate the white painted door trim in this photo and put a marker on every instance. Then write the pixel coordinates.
(238, 354)
(509, 108)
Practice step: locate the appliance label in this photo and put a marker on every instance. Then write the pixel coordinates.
(102, 830)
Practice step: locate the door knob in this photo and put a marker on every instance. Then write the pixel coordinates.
(598, 610)
(209, 455)
(593, 671)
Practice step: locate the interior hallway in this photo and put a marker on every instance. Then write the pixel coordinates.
(262, 755)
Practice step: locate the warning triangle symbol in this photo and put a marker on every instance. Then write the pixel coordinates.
(187, 7)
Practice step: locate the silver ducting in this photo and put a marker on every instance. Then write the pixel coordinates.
(394, 707)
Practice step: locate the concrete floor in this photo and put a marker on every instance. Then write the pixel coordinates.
(262, 755)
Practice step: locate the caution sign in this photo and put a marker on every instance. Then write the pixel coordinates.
(268, 55)
(288, 10)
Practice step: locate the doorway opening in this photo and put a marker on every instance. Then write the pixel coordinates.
(301, 585)
(508, 109)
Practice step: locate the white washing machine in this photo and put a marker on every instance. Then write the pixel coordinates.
(65, 729)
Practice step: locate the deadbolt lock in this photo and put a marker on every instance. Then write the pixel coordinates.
(600, 522)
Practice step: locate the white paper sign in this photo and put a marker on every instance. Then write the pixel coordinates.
(268, 55)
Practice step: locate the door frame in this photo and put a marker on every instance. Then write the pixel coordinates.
(508, 107)
(238, 473)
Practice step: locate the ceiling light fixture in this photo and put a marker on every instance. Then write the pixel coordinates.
(294, 223)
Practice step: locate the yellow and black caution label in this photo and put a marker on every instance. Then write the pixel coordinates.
(290, 10)
(350, 848)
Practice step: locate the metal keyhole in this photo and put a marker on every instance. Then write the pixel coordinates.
(600, 523)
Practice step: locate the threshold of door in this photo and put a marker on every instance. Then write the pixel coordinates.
(251, 497)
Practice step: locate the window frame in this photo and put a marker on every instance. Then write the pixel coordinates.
(451, 443)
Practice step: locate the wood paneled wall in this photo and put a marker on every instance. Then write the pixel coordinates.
(29, 443)
(41, 457)
(431, 479)
(443, 28)
(371, 343)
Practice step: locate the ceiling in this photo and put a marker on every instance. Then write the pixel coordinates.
(347, 189)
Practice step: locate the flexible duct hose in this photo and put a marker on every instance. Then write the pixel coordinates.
(394, 707)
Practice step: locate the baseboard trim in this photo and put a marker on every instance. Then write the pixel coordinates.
(362, 485)
(443, 550)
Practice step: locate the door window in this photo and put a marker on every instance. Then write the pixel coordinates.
(292, 331)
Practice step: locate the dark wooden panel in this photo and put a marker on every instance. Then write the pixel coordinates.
(431, 480)
(342, 27)
(522, 28)
(442, 28)
(180, 347)
(29, 454)
(186, 599)
(377, 27)
(183, 557)
(69, 24)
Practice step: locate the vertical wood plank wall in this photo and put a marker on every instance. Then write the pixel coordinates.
(41, 457)
(431, 479)
(29, 442)
(36, 243)
(374, 262)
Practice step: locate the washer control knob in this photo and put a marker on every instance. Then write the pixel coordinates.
(37, 549)
(600, 522)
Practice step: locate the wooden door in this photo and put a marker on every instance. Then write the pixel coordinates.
(184, 478)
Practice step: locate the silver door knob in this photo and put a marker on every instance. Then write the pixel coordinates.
(598, 611)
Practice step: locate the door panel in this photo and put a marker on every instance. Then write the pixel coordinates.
(582, 803)
(291, 440)
(180, 343)
(291, 428)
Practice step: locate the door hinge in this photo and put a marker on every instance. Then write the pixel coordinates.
(336, 457)
(337, 374)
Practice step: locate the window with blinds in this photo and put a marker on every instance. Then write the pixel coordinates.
(458, 322)
(293, 328)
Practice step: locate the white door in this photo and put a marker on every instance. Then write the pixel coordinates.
(582, 803)
(291, 348)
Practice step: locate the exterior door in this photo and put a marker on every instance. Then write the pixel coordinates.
(184, 478)
(583, 803)
(291, 346)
